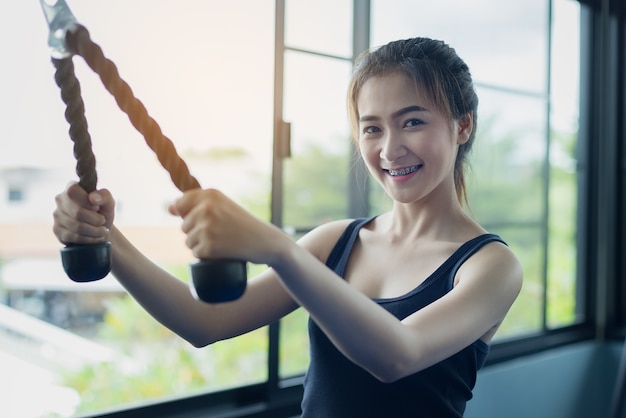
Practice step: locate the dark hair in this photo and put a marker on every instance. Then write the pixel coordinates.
(438, 70)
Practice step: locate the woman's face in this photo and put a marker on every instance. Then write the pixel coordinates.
(407, 143)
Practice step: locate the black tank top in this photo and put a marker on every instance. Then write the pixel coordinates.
(334, 387)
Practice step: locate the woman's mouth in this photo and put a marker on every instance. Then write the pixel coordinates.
(403, 171)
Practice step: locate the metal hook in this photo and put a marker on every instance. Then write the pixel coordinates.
(60, 20)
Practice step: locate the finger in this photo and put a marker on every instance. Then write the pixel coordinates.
(184, 204)
(78, 195)
(79, 233)
(202, 217)
(80, 226)
(172, 209)
(71, 206)
(103, 199)
(200, 246)
(195, 197)
(191, 243)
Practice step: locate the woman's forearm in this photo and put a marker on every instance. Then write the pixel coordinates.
(350, 319)
(164, 296)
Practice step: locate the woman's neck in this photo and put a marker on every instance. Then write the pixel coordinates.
(418, 221)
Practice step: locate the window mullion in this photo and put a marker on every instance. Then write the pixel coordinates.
(358, 181)
(277, 181)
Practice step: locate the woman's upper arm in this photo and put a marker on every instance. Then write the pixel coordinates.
(487, 285)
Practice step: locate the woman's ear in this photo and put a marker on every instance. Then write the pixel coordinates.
(465, 125)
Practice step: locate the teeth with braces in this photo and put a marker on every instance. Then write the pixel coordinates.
(404, 171)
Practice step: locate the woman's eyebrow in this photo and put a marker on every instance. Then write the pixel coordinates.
(396, 114)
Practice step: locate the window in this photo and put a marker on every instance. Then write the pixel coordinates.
(523, 182)
(72, 340)
(15, 194)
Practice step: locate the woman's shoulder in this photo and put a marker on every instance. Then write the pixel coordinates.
(495, 261)
(321, 239)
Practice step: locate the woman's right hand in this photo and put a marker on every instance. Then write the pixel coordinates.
(81, 217)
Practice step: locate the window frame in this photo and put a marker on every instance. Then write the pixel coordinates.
(501, 350)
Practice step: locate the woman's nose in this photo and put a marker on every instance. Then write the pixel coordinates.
(392, 148)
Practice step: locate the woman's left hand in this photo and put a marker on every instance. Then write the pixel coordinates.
(218, 228)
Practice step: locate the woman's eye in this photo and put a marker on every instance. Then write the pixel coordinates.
(370, 130)
(412, 123)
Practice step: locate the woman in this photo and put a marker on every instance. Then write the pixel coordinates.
(403, 305)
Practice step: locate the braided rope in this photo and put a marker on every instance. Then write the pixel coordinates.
(163, 147)
(75, 115)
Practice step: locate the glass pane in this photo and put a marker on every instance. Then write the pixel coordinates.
(507, 191)
(323, 26)
(379, 201)
(565, 101)
(294, 344)
(315, 183)
(506, 181)
(86, 347)
(526, 314)
(315, 177)
(503, 42)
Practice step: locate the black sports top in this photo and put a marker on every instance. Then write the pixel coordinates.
(334, 387)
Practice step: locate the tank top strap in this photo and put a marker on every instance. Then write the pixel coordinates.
(340, 254)
(338, 257)
(467, 250)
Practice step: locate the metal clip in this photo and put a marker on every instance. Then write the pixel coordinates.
(60, 20)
